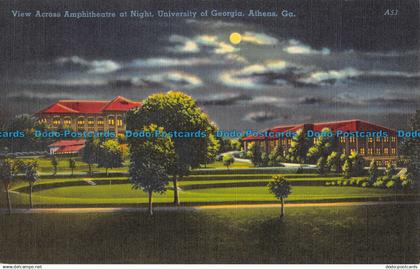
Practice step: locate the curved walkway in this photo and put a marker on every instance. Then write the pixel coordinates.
(191, 208)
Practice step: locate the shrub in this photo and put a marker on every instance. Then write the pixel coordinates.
(332, 183)
(346, 182)
(327, 183)
(339, 182)
(353, 182)
(365, 184)
(378, 183)
(390, 184)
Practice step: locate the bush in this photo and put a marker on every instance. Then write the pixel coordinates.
(339, 182)
(378, 183)
(390, 184)
(332, 183)
(346, 182)
(327, 183)
(353, 182)
(365, 184)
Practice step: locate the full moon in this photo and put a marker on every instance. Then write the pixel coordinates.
(235, 38)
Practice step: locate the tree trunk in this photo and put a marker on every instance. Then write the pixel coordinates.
(176, 195)
(30, 194)
(90, 169)
(282, 207)
(9, 204)
(150, 204)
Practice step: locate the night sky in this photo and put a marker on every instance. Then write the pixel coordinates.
(335, 60)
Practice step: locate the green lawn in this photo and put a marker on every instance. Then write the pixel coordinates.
(373, 234)
(124, 194)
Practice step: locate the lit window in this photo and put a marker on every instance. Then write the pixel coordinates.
(378, 151)
(111, 121)
(386, 151)
(119, 122)
(370, 139)
(56, 121)
(100, 122)
(91, 121)
(81, 121)
(352, 151)
(386, 139)
(342, 140)
(67, 121)
(393, 151)
(362, 151)
(370, 151)
(393, 139)
(378, 139)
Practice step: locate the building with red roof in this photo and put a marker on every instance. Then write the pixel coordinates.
(370, 140)
(62, 147)
(88, 115)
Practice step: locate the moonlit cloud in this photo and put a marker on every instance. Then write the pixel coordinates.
(177, 79)
(96, 66)
(171, 62)
(296, 47)
(259, 39)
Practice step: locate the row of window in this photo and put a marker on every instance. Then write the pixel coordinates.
(370, 139)
(81, 121)
(377, 151)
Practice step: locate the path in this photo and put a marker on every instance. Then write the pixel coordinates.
(191, 208)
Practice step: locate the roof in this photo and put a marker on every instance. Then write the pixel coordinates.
(345, 126)
(119, 103)
(64, 143)
(69, 149)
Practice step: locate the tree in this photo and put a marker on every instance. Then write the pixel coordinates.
(228, 160)
(276, 156)
(334, 162)
(54, 164)
(31, 176)
(255, 154)
(298, 148)
(409, 152)
(357, 164)
(150, 161)
(213, 148)
(281, 189)
(323, 146)
(390, 171)
(373, 172)
(264, 159)
(110, 155)
(180, 117)
(72, 165)
(347, 169)
(89, 154)
(7, 175)
(322, 165)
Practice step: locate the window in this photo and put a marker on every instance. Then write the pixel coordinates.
(386, 139)
(43, 120)
(393, 151)
(378, 151)
(386, 151)
(370, 139)
(393, 139)
(111, 121)
(370, 151)
(91, 121)
(362, 151)
(378, 139)
(352, 151)
(342, 140)
(119, 122)
(56, 121)
(352, 139)
(81, 121)
(67, 121)
(100, 122)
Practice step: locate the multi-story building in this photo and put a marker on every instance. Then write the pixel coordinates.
(88, 115)
(381, 148)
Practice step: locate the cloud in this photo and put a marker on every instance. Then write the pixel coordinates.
(330, 77)
(269, 73)
(223, 99)
(171, 62)
(176, 79)
(296, 47)
(95, 67)
(259, 39)
(260, 116)
(185, 45)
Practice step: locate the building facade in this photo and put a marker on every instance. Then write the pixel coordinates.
(87, 115)
(384, 149)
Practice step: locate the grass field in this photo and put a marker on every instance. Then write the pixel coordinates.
(371, 234)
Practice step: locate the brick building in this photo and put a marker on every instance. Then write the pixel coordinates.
(88, 115)
(383, 149)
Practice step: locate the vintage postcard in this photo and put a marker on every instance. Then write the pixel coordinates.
(209, 132)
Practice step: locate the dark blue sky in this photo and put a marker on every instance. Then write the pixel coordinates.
(335, 60)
